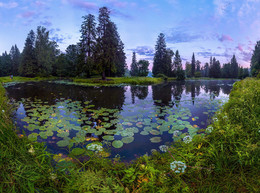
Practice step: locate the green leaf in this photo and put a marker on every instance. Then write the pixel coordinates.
(63, 143)
(156, 139)
(128, 139)
(33, 136)
(77, 151)
(117, 144)
(108, 137)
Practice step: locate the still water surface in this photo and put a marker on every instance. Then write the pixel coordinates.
(130, 120)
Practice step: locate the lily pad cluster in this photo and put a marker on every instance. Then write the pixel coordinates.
(72, 124)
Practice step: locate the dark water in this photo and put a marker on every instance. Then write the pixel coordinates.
(148, 116)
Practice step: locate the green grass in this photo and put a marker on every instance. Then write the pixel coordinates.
(119, 80)
(225, 160)
(25, 79)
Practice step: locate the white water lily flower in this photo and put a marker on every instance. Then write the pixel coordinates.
(176, 133)
(178, 166)
(187, 139)
(163, 148)
(95, 147)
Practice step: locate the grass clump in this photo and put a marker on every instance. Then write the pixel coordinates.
(24, 166)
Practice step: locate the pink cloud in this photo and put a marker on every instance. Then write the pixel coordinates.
(225, 38)
(240, 48)
(82, 4)
(27, 14)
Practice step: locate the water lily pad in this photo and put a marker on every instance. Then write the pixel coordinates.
(77, 151)
(155, 132)
(156, 139)
(43, 135)
(128, 139)
(144, 133)
(108, 137)
(33, 136)
(63, 143)
(117, 144)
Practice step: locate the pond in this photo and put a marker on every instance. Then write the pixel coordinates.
(128, 121)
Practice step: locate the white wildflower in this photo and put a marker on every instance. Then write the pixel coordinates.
(3, 111)
(53, 176)
(178, 166)
(163, 148)
(187, 139)
(209, 129)
(31, 150)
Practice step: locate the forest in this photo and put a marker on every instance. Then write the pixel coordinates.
(100, 52)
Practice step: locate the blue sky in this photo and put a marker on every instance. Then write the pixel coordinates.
(218, 28)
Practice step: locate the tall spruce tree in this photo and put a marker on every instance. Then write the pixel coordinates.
(134, 66)
(108, 44)
(120, 60)
(15, 57)
(177, 61)
(255, 60)
(28, 61)
(72, 56)
(6, 64)
(234, 67)
(188, 69)
(159, 60)
(87, 45)
(193, 63)
(215, 68)
(168, 62)
(46, 52)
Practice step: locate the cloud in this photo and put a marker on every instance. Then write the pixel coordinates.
(222, 7)
(40, 4)
(179, 36)
(240, 48)
(144, 50)
(117, 13)
(27, 14)
(116, 3)
(246, 56)
(209, 54)
(46, 23)
(223, 38)
(82, 4)
(8, 5)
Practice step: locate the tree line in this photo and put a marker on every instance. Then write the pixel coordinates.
(100, 51)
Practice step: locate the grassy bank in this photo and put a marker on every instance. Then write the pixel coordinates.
(119, 80)
(224, 160)
(91, 81)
